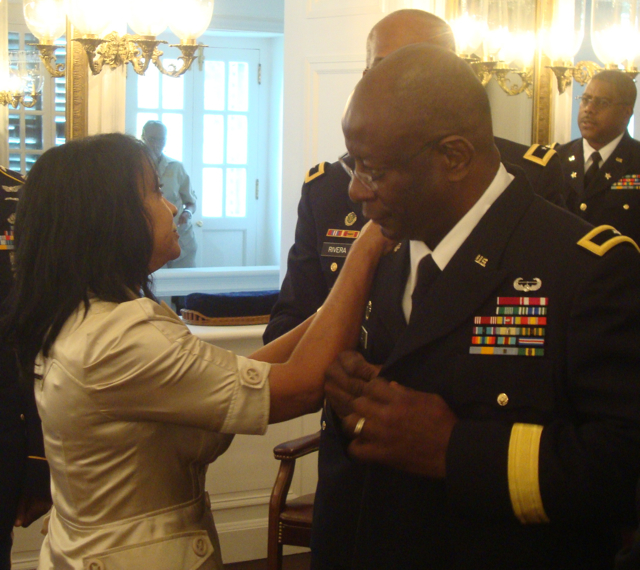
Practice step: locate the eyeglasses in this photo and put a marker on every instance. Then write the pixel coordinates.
(598, 103)
(371, 179)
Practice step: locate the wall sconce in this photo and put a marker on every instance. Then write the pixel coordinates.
(94, 21)
(497, 38)
(23, 80)
(615, 39)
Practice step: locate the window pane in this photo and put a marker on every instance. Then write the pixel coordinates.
(14, 41)
(172, 88)
(237, 140)
(236, 205)
(238, 86)
(59, 93)
(212, 192)
(30, 160)
(173, 122)
(33, 132)
(141, 119)
(60, 123)
(214, 84)
(14, 163)
(149, 89)
(212, 151)
(14, 130)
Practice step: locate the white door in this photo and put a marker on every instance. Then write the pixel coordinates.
(226, 152)
(212, 115)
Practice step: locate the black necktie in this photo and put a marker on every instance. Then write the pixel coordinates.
(592, 171)
(428, 271)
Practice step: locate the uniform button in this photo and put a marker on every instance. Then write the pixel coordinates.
(334, 267)
(583, 206)
(252, 376)
(626, 206)
(22, 417)
(199, 546)
(503, 399)
(95, 565)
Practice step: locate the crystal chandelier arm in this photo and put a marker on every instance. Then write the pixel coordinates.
(47, 55)
(526, 84)
(187, 57)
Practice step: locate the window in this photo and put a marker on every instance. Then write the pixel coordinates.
(213, 116)
(32, 131)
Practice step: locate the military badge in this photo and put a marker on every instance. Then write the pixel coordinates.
(350, 219)
(521, 284)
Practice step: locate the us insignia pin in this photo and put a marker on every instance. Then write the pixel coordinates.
(525, 285)
(480, 260)
(607, 176)
(350, 219)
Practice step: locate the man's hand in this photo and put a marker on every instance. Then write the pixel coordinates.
(345, 379)
(31, 509)
(402, 428)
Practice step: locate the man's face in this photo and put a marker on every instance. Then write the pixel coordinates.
(604, 117)
(398, 181)
(155, 137)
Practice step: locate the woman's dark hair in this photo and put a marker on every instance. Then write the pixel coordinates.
(81, 229)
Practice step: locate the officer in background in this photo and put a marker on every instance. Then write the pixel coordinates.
(24, 473)
(328, 221)
(176, 187)
(602, 168)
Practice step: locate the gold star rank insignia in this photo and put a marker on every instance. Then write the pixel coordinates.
(607, 176)
(350, 219)
(572, 158)
(574, 175)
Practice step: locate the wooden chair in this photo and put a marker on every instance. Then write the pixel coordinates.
(289, 521)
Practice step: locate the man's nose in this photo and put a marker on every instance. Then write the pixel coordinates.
(358, 192)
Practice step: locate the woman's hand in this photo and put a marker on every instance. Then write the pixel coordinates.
(372, 239)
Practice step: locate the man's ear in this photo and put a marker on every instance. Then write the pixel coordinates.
(458, 153)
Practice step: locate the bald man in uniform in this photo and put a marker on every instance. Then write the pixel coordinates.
(328, 221)
(491, 418)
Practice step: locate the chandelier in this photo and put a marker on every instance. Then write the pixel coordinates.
(615, 39)
(497, 38)
(21, 80)
(95, 23)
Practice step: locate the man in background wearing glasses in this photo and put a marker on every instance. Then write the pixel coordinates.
(602, 168)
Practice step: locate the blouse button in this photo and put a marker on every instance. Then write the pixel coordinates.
(253, 377)
(200, 546)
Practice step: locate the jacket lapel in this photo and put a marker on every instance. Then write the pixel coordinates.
(470, 277)
(387, 317)
(574, 173)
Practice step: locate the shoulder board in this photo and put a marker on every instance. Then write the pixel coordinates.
(552, 145)
(603, 238)
(315, 172)
(10, 178)
(539, 154)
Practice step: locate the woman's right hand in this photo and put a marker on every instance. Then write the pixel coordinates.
(372, 240)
